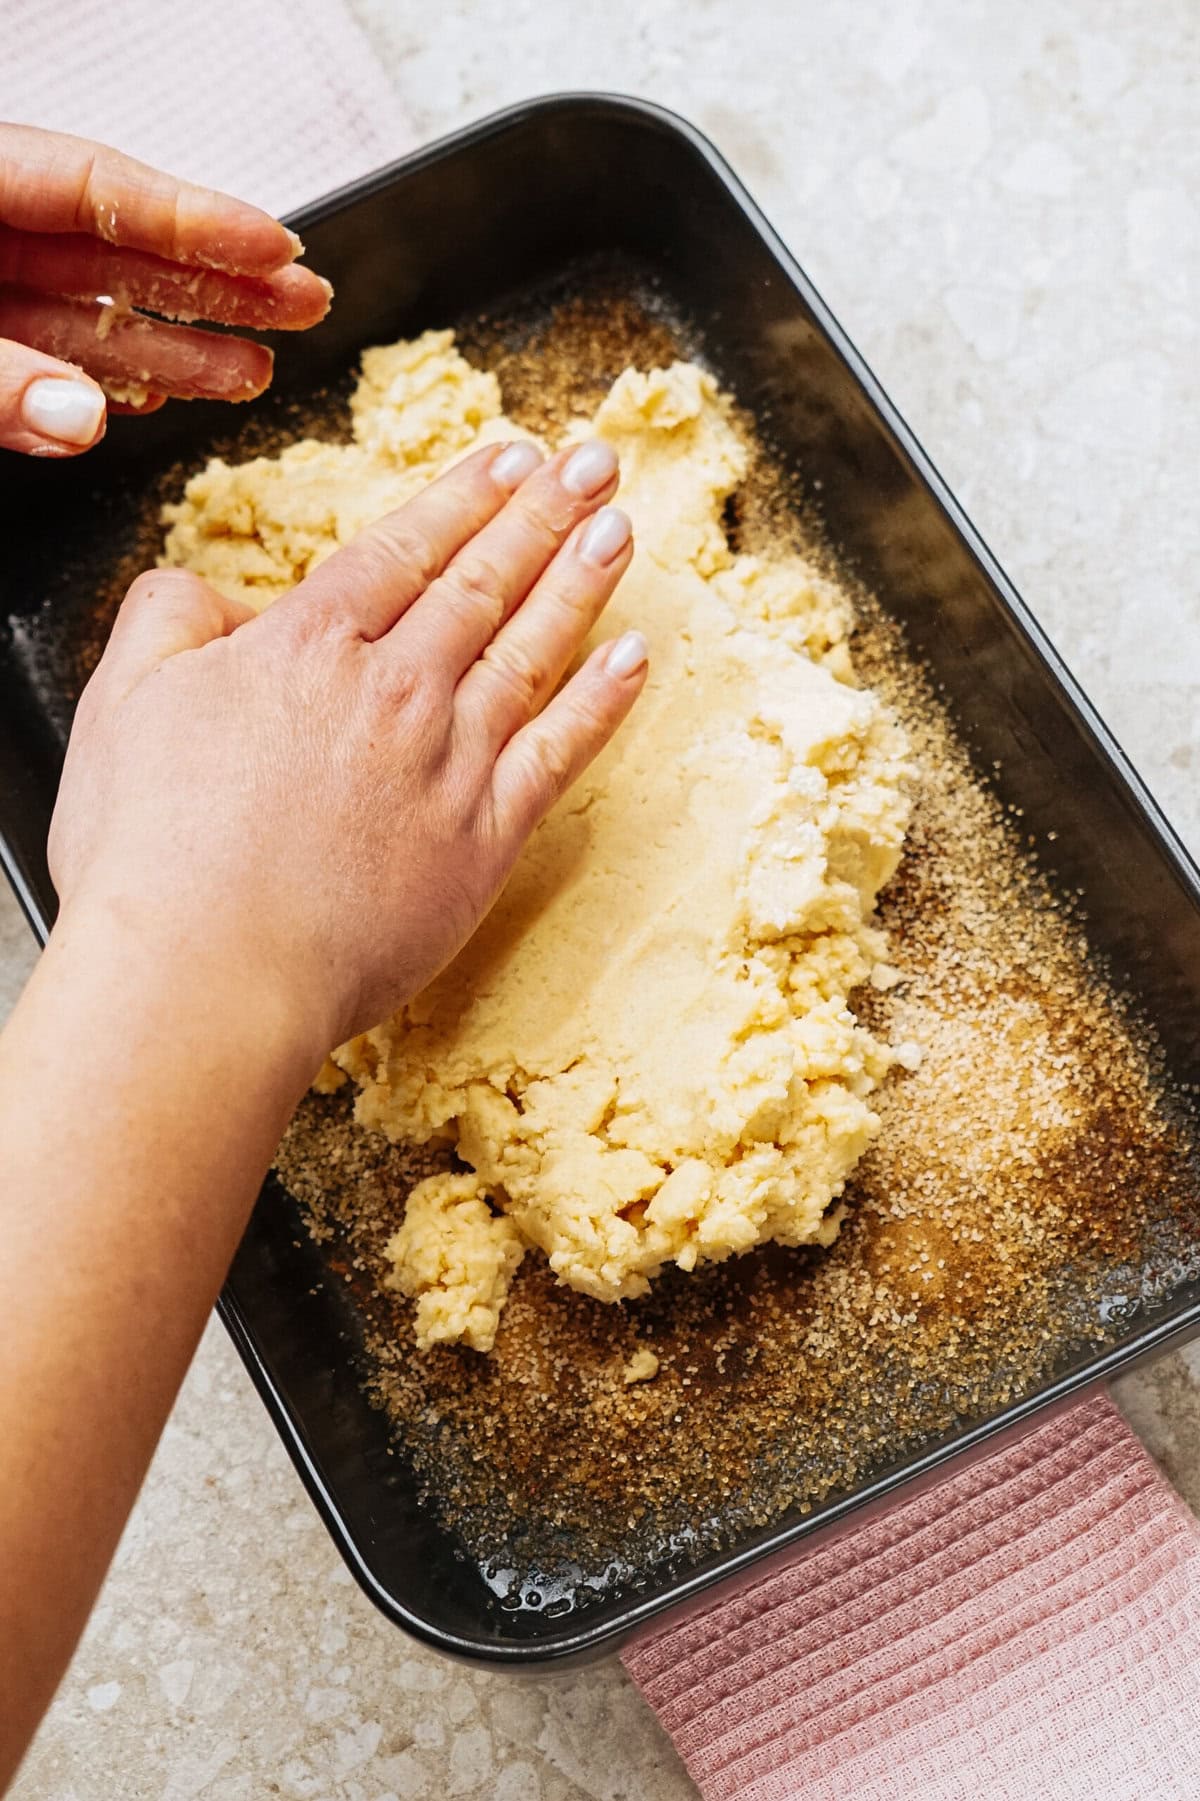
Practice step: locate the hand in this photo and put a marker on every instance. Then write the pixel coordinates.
(316, 806)
(79, 222)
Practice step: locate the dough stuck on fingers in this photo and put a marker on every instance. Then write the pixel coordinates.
(647, 1053)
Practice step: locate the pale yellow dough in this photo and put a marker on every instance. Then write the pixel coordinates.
(646, 1052)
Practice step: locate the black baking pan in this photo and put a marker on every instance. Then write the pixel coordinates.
(454, 227)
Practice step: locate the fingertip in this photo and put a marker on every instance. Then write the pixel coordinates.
(212, 230)
(590, 470)
(62, 414)
(515, 463)
(290, 299)
(627, 658)
(606, 539)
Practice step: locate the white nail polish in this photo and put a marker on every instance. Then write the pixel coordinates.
(627, 655)
(513, 465)
(589, 469)
(605, 536)
(67, 411)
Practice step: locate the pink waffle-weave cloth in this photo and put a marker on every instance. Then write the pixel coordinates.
(279, 101)
(1028, 1630)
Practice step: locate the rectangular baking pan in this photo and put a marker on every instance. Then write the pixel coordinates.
(453, 228)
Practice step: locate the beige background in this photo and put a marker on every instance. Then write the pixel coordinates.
(995, 196)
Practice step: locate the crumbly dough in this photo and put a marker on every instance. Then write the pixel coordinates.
(255, 529)
(646, 1053)
(642, 1367)
(457, 1258)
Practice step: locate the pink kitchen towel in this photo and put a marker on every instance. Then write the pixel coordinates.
(278, 101)
(1030, 1628)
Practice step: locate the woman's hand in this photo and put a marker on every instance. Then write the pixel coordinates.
(318, 805)
(88, 236)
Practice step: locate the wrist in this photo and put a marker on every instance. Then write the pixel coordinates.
(186, 972)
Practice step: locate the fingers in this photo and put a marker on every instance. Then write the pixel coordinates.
(539, 764)
(287, 299)
(166, 611)
(46, 407)
(52, 182)
(134, 356)
(521, 667)
(374, 580)
(460, 612)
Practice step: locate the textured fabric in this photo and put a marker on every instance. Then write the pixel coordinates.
(278, 101)
(1031, 1627)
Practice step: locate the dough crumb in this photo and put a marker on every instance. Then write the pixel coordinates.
(329, 1078)
(457, 1259)
(126, 393)
(642, 1367)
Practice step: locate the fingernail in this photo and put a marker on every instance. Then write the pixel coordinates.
(68, 411)
(591, 468)
(627, 654)
(297, 246)
(514, 464)
(605, 536)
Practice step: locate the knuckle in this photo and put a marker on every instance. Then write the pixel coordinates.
(473, 586)
(89, 214)
(572, 608)
(403, 685)
(514, 670)
(311, 621)
(398, 541)
(544, 534)
(552, 762)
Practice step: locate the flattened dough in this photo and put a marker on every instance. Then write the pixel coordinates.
(646, 1053)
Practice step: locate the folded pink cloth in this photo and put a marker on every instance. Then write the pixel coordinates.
(278, 102)
(1029, 1628)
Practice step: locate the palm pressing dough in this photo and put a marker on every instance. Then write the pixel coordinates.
(646, 1054)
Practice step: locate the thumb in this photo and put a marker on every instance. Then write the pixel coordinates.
(166, 611)
(47, 408)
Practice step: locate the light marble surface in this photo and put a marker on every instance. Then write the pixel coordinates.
(997, 199)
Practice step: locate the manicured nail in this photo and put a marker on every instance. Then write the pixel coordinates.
(67, 411)
(627, 654)
(605, 536)
(514, 464)
(591, 468)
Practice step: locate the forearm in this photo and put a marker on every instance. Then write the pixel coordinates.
(143, 1091)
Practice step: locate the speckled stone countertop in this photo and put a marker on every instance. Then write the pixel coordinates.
(997, 200)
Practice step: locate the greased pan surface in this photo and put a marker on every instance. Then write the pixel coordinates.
(471, 220)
